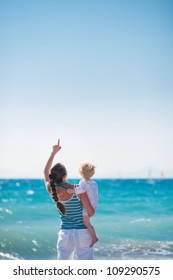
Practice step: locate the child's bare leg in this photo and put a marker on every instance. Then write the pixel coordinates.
(86, 221)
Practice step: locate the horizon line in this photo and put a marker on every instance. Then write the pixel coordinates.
(96, 178)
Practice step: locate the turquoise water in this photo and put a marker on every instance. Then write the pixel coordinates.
(134, 220)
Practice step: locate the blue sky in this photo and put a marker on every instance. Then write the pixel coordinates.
(97, 75)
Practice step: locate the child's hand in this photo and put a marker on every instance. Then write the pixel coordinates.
(57, 147)
(70, 191)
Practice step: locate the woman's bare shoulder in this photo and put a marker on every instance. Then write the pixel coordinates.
(69, 186)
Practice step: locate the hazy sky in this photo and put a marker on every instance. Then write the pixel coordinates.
(97, 74)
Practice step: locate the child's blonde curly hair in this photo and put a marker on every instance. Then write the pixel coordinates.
(87, 170)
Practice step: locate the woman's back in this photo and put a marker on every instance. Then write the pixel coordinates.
(73, 216)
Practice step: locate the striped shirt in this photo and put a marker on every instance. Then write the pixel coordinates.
(73, 217)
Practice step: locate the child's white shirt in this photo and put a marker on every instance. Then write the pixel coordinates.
(91, 188)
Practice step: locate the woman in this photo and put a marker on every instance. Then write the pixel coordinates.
(73, 234)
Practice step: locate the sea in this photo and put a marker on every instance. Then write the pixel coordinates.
(133, 220)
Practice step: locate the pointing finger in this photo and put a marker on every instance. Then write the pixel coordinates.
(58, 142)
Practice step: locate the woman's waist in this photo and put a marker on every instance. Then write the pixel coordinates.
(72, 226)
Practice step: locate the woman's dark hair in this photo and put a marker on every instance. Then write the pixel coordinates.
(56, 177)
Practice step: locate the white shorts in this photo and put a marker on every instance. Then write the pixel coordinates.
(74, 240)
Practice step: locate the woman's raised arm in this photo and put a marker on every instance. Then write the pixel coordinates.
(48, 165)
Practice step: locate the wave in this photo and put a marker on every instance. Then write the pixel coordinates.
(6, 210)
(133, 249)
(120, 250)
(7, 256)
(140, 220)
(30, 192)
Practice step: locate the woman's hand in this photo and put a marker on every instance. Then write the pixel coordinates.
(56, 148)
(48, 166)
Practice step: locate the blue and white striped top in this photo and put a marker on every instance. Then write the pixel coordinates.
(73, 217)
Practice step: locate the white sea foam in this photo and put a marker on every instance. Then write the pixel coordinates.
(34, 249)
(3, 244)
(30, 192)
(140, 220)
(131, 249)
(9, 256)
(35, 243)
(8, 211)
(19, 222)
(5, 200)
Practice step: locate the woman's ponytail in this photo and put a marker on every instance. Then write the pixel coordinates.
(54, 196)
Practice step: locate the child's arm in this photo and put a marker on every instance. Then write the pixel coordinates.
(70, 191)
(86, 203)
(48, 165)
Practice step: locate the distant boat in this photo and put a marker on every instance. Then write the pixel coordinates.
(150, 180)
